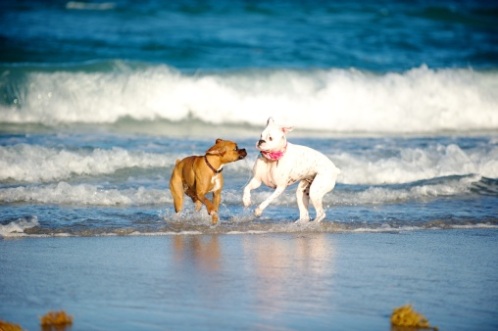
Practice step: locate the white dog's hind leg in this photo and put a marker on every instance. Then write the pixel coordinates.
(303, 200)
(322, 184)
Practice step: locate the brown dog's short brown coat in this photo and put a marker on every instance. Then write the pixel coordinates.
(196, 176)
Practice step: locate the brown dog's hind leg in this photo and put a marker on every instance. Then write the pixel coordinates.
(176, 187)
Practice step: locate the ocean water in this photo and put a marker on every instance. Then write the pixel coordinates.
(98, 100)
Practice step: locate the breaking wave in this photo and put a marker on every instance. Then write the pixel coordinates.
(63, 193)
(396, 165)
(334, 100)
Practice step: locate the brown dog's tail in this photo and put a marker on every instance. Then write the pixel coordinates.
(176, 187)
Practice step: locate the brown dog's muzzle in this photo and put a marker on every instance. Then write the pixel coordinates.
(242, 153)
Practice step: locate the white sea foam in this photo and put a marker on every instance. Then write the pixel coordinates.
(33, 163)
(86, 194)
(413, 164)
(337, 100)
(81, 5)
(17, 227)
(409, 228)
(375, 195)
(83, 194)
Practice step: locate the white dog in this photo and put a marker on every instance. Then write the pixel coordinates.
(282, 164)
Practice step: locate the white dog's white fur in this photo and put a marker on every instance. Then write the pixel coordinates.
(282, 164)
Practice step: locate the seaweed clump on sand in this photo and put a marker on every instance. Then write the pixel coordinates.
(6, 326)
(405, 318)
(57, 320)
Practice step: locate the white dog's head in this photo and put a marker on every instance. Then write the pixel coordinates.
(273, 137)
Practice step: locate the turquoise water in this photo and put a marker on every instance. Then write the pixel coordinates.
(199, 35)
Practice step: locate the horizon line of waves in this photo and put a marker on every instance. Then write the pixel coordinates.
(333, 100)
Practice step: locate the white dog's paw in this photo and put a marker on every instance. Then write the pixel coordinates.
(302, 221)
(258, 211)
(246, 200)
(319, 218)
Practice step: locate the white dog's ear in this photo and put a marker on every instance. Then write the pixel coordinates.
(270, 121)
(286, 129)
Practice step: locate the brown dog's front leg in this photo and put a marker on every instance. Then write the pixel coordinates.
(212, 211)
(216, 202)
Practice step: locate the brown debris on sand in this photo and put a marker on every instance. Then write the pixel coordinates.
(406, 317)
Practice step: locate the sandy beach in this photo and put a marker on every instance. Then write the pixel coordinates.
(273, 281)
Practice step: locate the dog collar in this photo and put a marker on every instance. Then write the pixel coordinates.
(274, 155)
(211, 167)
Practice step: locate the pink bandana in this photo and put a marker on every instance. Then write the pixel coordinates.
(274, 155)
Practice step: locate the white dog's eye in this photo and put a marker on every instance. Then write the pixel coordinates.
(270, 139)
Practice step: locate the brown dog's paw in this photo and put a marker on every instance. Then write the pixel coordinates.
(214, 218)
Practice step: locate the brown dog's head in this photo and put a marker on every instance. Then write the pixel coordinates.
(227, 150)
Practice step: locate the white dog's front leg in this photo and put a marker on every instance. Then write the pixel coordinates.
(254, 183)
(303, 199)
(272, 197)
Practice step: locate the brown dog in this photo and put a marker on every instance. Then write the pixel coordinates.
(198, 175)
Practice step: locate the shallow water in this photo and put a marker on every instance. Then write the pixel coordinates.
(99, 184)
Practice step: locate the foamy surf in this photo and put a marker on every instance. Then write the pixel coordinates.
(421, 100)
(16, 228)
(64, 193)
(33, 163)
(386, 163)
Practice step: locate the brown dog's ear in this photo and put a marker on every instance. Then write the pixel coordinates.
(213, 151)
(216, 150)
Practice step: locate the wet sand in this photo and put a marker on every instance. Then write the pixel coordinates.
(308, 281)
